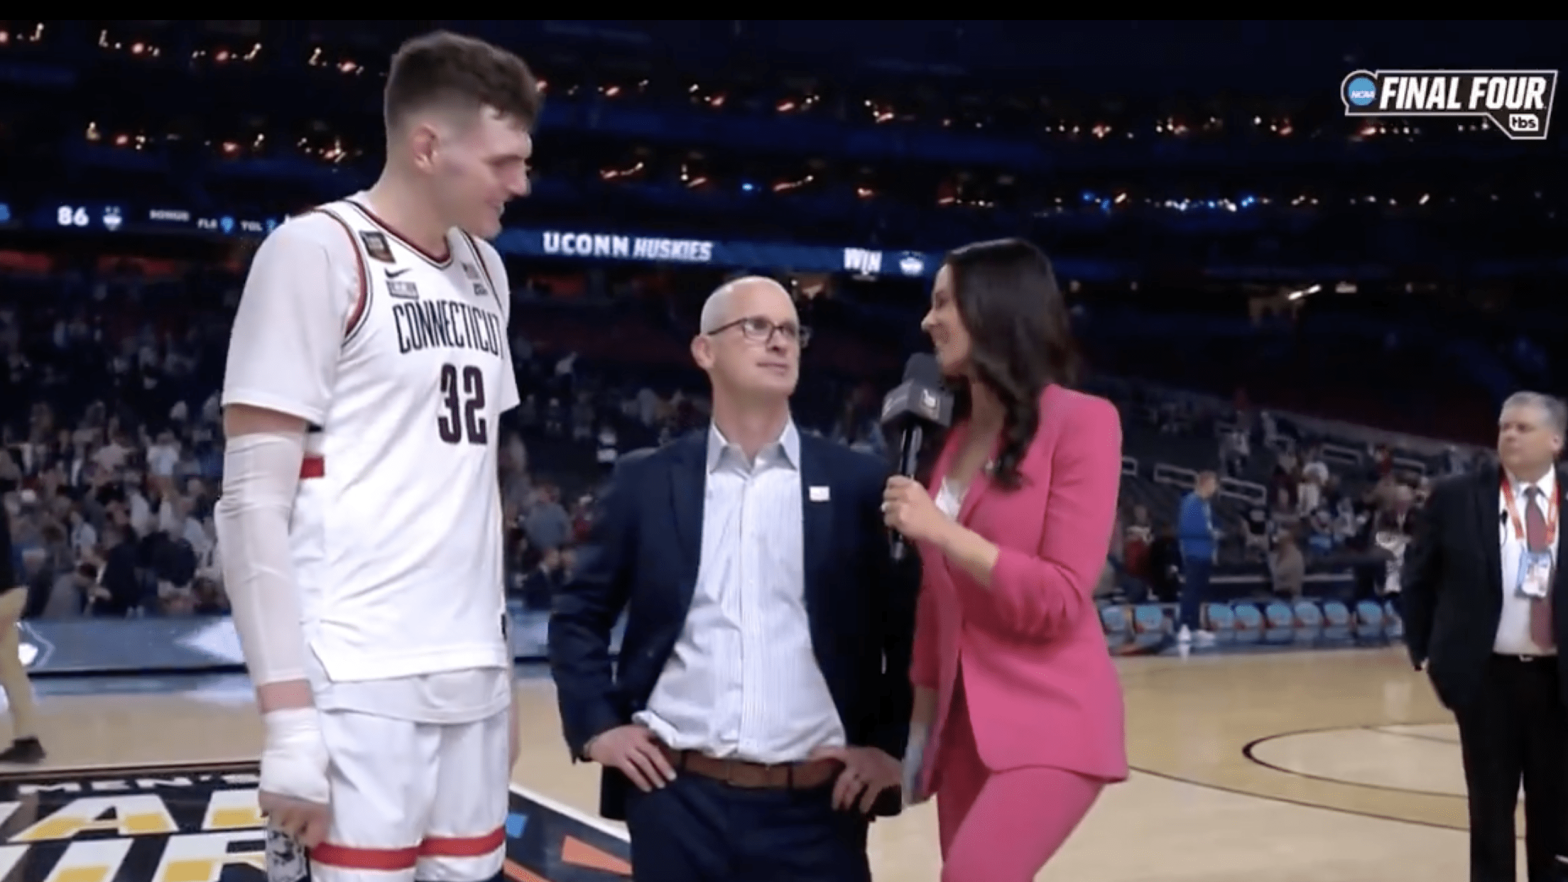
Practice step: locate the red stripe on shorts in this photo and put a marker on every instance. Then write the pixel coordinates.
(391, 860)
(348, 857)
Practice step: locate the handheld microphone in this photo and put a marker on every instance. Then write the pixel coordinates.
(917, 406)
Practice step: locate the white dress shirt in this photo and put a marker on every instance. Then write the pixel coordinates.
(1513, 629)
(742, 681)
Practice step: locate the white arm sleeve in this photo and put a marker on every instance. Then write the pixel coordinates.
(304, 282)
(303, 285)
(496, 269)
(260, 475)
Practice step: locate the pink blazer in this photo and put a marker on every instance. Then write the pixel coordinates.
(1039, 682)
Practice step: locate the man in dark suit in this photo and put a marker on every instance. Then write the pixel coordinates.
(761, 702)
(1479, 586)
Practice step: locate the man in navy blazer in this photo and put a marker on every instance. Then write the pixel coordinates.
(760, 705)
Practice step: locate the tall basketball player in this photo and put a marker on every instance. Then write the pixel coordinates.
(360, 519)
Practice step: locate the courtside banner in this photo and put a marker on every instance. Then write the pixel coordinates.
(1519, 102)
(188, 644)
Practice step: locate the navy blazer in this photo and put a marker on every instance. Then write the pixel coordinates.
(1452, 584)
(642, 559)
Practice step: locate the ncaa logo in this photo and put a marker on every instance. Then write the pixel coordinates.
(1361, 91)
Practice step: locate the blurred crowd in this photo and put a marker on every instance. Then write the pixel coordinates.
(1356, 511)
(112, 459)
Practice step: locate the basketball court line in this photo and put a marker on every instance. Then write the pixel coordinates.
(1299, 803)
(1248, 751)
(1385, 730)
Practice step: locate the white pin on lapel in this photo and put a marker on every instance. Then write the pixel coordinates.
(818, 494)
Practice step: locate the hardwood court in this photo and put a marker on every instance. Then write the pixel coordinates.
(1333, 766)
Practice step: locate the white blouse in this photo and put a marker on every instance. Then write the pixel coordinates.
(948, 500)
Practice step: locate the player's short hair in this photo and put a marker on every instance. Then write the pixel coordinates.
(447, 69)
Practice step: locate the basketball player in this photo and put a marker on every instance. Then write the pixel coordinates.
(360, 521)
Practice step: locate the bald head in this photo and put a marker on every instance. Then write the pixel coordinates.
(749, 342)
(721, 306)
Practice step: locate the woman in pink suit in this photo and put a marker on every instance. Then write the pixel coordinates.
(1018, 711)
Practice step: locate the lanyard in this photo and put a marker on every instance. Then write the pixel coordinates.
(1513, 513)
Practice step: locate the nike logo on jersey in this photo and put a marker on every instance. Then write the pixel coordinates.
(392, 273)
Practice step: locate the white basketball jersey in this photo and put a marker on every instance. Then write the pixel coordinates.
(397, 529)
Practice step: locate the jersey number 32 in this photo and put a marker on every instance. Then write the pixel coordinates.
(463, 405)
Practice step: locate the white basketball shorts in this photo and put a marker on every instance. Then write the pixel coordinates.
(410, 801)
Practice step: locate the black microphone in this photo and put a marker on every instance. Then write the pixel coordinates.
(917, 406)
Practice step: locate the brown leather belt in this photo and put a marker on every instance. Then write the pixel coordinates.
(756, 776)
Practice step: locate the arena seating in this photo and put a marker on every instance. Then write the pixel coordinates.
(1243, 625)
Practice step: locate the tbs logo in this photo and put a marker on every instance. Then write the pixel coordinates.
(1524, 122)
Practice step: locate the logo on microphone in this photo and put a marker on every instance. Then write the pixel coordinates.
(919, 401)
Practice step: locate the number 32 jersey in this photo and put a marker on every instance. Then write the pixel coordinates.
(399, 362)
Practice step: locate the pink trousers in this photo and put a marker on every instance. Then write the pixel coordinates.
(1001, 826)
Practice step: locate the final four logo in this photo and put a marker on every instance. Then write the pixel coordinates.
(1517, 101)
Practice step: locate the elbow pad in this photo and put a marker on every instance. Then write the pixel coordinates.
(260, 477)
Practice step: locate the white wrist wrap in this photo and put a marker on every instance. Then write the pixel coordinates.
(294, 758)
(914, 758)
(260, 477)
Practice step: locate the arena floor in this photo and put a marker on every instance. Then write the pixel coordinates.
(1334, 766)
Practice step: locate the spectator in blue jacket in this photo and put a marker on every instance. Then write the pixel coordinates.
(1197, 539)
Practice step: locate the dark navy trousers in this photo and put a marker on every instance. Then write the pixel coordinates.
(697, 829)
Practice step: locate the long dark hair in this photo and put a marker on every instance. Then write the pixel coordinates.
(1020, 338)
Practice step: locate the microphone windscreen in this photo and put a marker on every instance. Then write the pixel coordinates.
(923, 369)
(921, 395)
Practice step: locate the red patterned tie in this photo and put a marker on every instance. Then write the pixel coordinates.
(1535, 535)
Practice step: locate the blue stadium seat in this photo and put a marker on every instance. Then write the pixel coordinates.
(1222, 621)
(1249, 622)
(1149, 624)
(1279, 622)
(1336, 621)
(1309, 621)
(1113, 617)
(1370, 622)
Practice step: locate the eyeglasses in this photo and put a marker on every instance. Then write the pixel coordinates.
(760, 330)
